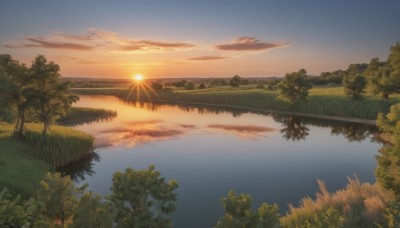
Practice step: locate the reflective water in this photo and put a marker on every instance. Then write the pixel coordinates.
(209, 151)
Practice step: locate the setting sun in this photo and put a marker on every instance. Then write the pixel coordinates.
(138, 77)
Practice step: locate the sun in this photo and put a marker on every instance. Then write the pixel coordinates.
(138, 77)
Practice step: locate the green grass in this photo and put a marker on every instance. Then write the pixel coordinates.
(63, 144)
(20, 169)
(79, 115)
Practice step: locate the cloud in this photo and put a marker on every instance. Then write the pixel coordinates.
(98, 39)
(43, 43)
(243, 131)
(249, 44)
(207, 58)
(150, 44)
(187, 126)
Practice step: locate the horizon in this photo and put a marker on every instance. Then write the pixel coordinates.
(178, 39)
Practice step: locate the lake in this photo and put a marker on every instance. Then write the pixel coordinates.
(275, 158)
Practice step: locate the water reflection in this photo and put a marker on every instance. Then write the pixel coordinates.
(293, 129)
(136, 133)
(78, 170)
(243, 131)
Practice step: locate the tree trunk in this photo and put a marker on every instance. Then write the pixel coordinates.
(385, 96)
(44, 133)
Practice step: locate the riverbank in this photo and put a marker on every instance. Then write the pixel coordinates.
(323, 102)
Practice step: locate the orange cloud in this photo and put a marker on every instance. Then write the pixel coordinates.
(149, 44)
(243, 131)
(207, 58)
(249, 44)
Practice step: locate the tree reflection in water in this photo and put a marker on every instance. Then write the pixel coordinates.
(293, 129)
(79, 169)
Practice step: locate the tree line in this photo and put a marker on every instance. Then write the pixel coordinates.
(32, 93)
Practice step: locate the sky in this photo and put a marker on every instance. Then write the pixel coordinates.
(208, 38)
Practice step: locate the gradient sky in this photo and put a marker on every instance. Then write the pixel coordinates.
(208, 38)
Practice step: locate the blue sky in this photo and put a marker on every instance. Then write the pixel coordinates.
(187, 38)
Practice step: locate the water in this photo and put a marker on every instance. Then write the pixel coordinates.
(209, 151)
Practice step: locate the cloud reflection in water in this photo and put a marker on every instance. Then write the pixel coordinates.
(243, 131)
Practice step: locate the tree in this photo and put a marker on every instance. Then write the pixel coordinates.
(238, 213)
(384, 77)
(52, 98)
(93, 213)
(18, 89)
(202, 86)
(235, 81)
(189, 86)
(6, 105)
(58, 197)
(141, 197)
(354, 85)
(295, 86)
(156, 86)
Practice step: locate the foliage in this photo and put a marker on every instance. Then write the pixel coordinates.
(93, 213)
(6, 105)
(52, 98)
(295, 86)
(58, 196)
(238, 213)
(156, 86)
(354, 85)
(202, 86)
(63, 146)
(358, 205)
(218, 82)
(235, 81)
(16, 212)
(17, 89)
(189, 86)
(141, 197)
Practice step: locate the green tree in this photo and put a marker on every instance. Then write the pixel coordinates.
(6, 106)
(52, 98)
(142, 197)
(235, 81)
(202, 86)
(354, 85)
(189, 86)
(93, 213)
(58, 197)
(18, 89)
(238, 213)
(295, 86)
(15, 212)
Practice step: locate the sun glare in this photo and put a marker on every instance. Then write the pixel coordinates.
(138, 77)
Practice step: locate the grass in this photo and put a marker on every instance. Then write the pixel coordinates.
(20, 169)
(80, 115)
(358, 205)
(63, 144)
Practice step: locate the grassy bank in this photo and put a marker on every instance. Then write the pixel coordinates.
(63, 144)
(324, 101)
(20, 169)
(80, 115)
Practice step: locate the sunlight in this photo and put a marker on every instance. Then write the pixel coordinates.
(138, 77)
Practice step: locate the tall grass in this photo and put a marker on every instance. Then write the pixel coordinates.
(358, 205)
(63, 144)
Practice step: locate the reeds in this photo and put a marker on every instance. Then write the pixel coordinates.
(358, 205)
(63, 144)
(78, 115)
